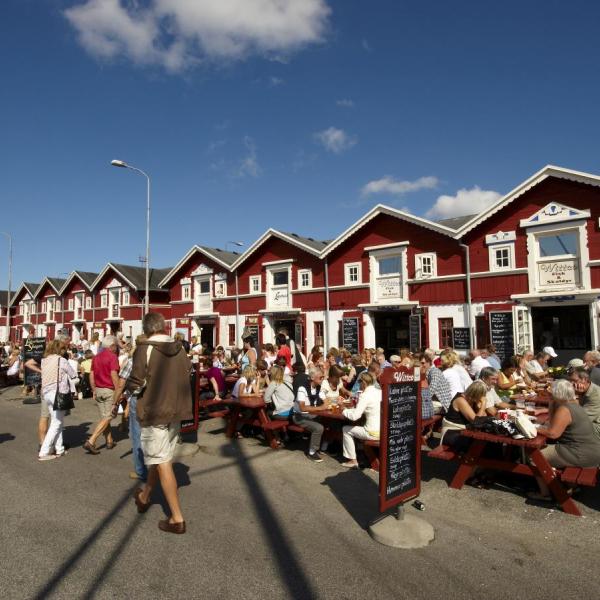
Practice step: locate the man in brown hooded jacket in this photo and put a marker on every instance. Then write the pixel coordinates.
(161, 376)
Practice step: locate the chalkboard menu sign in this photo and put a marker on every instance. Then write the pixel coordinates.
(350, 334)
(192, 424)
(501, 333)
(461, 338)
(33, 347)
(253, 331)
(400, 441)
(414, 327)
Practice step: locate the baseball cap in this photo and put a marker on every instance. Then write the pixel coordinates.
(574, 363)
(550, 350)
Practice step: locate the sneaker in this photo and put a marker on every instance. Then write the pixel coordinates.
(47, 457)
(315, 457)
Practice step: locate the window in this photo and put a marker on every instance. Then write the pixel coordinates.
(70, 303)
(57, 306)
(305, 278)
(558, 244)
(352, 273)
(185, 291)
(390, 265)
(255, 284)
(445, 326)
(231, 334)
(280, 277)
(502, 257)
(103, 299)
(43, 307)
(425, 265)
(88, 302)
(319, 333)
(126, 297)
(204, 287)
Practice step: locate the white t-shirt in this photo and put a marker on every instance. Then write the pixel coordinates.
(236, 388)
(491, 398)
(458, 379)
(327, 392)
(535, 366)
(14, 368)
(477, 364)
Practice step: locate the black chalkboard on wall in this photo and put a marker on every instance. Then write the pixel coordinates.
(414, 326)
(461, 338)
(350, 334)
(501, 333)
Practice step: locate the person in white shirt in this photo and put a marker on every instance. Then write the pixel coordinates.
(456, 375)
(477, 363)
(493, 402)
(369, 404)
(539, 366)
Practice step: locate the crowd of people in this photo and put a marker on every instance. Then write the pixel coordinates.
(149, 382)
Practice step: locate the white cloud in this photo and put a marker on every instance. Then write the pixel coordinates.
(465, 202)
(249, 166)
(345, 103)
(276, 81)
(178, 34)
(397, 187)
(335, 140)
(366, 46)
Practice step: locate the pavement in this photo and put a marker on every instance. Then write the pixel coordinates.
(266, 523)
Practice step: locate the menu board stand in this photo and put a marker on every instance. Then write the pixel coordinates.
(400, 460)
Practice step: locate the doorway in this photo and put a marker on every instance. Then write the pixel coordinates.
(391, 331)
(207, 336)
(566, 328)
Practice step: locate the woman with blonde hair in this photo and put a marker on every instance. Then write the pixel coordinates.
(462, 410)
(246, 385)
(369, 404)
(456, 375)
(56, 377)
(280, 394)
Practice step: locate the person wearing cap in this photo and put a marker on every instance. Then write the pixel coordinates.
(574, 363)
(539, 365)
(592, 364)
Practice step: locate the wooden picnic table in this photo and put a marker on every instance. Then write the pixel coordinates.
(535, 464)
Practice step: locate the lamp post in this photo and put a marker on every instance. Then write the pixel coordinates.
(10, 258)
(124, 165)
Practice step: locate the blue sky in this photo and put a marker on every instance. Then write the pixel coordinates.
(248, 118)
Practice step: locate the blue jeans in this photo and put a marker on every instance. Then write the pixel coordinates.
(135, 430)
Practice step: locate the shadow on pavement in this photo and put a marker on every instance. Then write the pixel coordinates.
(75, 435)
(357, 493)
(291, 571)
(183, 480)
(78, 553)
(6, 437)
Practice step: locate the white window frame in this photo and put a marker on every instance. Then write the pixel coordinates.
(88, 302)
(347, 274)
(252, 280)
(419, 258)
(43, 309)
(104, 299)
(71, 304)
(308, 273)
(374, 257)
(270, 272)
(125, 297)
(494, 249)
(186, 291)
(57, 306)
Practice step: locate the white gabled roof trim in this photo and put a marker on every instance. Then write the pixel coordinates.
(535, 179)
(68, 281)
(264, 237)
(104, 271)
(189, 255)
(393, 212)
(11, 300)
(46, 280)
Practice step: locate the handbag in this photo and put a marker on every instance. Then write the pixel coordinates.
(526, 428)
(62, 401)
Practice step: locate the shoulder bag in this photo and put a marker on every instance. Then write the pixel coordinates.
(62, 401)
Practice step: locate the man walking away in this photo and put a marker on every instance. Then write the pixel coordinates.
(104, 378)
(161, 374)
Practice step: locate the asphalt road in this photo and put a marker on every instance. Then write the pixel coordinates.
(266, 524)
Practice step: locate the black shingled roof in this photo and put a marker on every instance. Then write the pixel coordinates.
(137, 276)
(455, 222)
(3, 297)
(86, 277)
(223, 255)
(56, 282)
(307, 241)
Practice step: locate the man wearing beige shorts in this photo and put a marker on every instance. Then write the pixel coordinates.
(161, 377)
(104, 379)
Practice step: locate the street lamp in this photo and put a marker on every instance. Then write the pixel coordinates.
(239, 244)
(124, 165)
(10, 253)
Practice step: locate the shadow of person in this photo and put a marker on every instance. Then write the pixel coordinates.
(76, 435)
(6, 437)
(357, 493)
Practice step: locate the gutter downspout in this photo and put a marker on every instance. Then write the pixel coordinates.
(469, 305)
(326, 340)
(237, 309)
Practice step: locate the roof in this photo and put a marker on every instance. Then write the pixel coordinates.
(3, 297)
(56, 284)
(136, 276)
(29, 287)
(537, 178)
(456, 222)
(222, 257)
(393, 212)
(84, 276)
(308, 241)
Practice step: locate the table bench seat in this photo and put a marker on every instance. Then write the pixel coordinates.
(443, 452)
(587, 476)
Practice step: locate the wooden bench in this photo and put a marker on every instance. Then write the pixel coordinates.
(587, 476)
(428, 426)
(443, 452)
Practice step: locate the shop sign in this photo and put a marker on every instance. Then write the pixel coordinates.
(558, 272)
(388, 288)
(99, 325)
(280, 297)
(183, 321)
